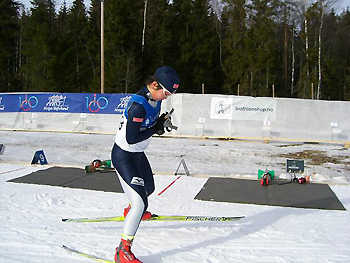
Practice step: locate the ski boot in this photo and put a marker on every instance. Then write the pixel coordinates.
(146, 215)
(123, 253)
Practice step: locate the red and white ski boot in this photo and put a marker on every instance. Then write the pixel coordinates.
(146, 215)
(123, 253)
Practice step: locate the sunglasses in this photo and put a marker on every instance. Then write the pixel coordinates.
(166, 92)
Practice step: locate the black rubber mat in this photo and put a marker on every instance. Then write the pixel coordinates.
(73, 178)
(317, 196)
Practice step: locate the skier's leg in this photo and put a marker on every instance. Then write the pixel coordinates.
(147, 174)
(138, 206)
(133, 186)
(131, 179)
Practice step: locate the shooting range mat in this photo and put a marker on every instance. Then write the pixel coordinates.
(73, 178)
(312, 195)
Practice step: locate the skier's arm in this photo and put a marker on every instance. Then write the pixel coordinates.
(134, 134)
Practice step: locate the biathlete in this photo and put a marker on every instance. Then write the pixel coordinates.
(140, 121)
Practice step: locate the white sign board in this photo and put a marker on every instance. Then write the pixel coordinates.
(221, 108)
(334, 124)
(258, 109)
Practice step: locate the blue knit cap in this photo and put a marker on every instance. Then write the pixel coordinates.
(168, 77)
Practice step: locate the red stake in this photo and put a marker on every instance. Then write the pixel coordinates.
(169, 185)
(12, 170)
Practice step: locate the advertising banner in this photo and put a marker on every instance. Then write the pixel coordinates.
(258, 109)
(65, 103)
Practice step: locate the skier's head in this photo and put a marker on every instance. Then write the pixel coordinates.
(163, 83)
(167, 79)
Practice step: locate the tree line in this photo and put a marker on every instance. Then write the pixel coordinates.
(298, 49)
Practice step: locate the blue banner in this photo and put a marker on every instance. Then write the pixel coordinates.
(65, 103)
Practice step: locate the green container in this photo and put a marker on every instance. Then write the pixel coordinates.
(262, 172)
(107, 164)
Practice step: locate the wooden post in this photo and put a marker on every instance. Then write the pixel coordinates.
(102, 51)
(273, 90)
(202, 88)
(312, 91)
(238, 89)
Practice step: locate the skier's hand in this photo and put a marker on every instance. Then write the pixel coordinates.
(159, 126)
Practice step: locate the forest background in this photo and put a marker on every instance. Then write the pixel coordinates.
(298, 49)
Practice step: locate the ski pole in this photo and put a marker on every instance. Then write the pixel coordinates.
(169, 185)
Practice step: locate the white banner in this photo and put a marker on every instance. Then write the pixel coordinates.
(258, 109)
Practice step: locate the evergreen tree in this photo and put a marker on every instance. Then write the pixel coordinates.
(158, 36)
(181, 48)
(206, 69)
(80, 69)
(308, 58)
(285, 73)
(38, 42)
(197, 46)
(9, 44)
(123, 35)
(254, 44)
(332, 61)
(343, 56)
(62, 58)
(262, 51)
(234, 47)
(93, 45)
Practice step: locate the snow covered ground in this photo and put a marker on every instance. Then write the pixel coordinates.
(30, 215)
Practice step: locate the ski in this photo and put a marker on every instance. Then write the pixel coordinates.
(154, 218)
(96, 258)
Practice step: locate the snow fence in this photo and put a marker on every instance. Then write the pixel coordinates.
(208, 115)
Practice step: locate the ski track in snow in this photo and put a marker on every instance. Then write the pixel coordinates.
(31, 229)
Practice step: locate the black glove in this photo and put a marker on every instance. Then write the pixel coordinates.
(159, 126)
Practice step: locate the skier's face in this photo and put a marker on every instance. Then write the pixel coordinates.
(158, 91)
(166, 92)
